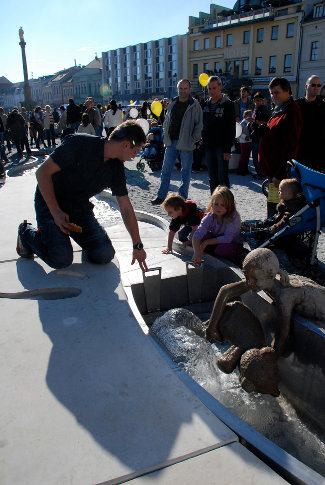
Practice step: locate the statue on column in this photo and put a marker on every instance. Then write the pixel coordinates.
(21, 34)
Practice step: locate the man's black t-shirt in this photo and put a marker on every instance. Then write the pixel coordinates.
(177, 115)
(84, 173)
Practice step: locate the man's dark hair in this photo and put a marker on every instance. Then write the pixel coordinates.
(282, 82)
(129, 131)
(245, 88)
(184, 81)
(258, 96)
(216, 79)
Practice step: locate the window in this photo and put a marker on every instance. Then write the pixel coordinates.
(258, 65)
(229, 39)
(260, 35)
(218, 41)
(318, 11)
(290, 30)
(195, 70)
(206, 43)
(287, 63)
(236, 68)
(246, 37)
(275, 32)
(196, 45)
(314, 51)
(228, 67)
(217, 67)
(245, 66)
(272, 64)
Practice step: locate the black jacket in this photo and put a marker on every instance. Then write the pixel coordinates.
(219, 127)
(73, 113)
(15, 122)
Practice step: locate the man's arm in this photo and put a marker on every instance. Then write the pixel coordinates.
(198, 124)
(131, 223)
(45, 184)
(230, 130)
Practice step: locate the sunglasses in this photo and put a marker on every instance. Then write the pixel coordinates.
(313, 85)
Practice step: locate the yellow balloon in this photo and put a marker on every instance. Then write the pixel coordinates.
(156, 108)
(203, 79)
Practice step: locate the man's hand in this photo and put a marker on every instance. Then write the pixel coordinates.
(167, 251)
(140, 256)
(226, 156)
(61, 219)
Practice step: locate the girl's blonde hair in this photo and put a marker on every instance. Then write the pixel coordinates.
(228, 200)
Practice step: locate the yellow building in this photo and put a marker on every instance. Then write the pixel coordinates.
(255, 45)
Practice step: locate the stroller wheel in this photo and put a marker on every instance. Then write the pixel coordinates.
(140, 166)
(265, 187)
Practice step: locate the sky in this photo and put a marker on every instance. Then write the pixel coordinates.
(59, 32)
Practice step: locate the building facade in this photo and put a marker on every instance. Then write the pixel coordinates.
(251, 46)
(146, 70)
(312, 58)
(87, 82)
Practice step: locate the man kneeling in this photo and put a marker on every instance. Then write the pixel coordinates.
(81, 167)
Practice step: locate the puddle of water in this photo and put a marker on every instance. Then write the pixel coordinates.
(105, 214)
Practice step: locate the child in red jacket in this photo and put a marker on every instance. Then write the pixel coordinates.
(183, 213)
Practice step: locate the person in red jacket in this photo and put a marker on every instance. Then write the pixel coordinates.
(281, 140)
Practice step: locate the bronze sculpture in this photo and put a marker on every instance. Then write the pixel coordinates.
(236, 323)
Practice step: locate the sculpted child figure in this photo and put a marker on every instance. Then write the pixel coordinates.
(236, 323)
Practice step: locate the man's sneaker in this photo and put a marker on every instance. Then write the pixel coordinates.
(157, 201)
(21, 250)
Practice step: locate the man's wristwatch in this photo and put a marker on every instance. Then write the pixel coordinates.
(138, 246)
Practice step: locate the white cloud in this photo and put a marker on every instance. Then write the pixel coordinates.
(85, 49)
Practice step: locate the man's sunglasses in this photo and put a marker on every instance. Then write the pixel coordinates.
(313, 85)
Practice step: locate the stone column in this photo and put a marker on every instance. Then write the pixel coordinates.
(28, 103)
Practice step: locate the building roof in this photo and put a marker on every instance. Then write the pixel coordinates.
(97, 62)
(4, 80)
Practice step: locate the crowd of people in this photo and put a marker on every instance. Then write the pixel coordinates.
(286, 129)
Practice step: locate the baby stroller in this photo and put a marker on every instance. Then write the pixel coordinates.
(153, 151)
(310, 220)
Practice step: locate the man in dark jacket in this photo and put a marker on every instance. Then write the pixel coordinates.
(243, 103)
(16, 125)
(313, 130)
(257, 128)
(73, 116)
(281, 140)
(218, 135)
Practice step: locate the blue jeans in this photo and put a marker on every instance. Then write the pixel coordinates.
(184, 233)
(54, 247)
(217, 167)
(21, 140)
(74, 126)
(255, 149)
(50, 135)
(170, 157)
(3, 155)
